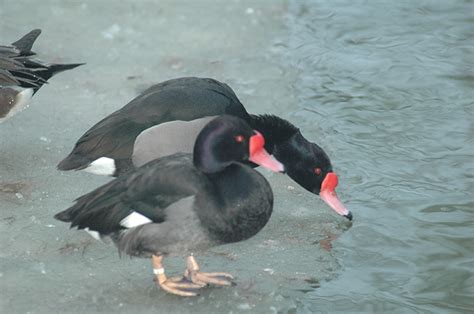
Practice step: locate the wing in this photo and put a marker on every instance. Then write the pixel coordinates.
(8, 64)
(148, 191)
(171, 100)
(166, 139)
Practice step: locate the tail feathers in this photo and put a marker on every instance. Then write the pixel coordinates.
(73, 162)
(72, 213)
(101, 210)
(56, 68)
(64, 216)
(101, 166)
(40, 74)
(25, 43)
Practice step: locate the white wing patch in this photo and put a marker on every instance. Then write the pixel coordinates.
(103, 166)
(134, 220)
(93, 233)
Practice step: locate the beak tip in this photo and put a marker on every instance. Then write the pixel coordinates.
(348, 216)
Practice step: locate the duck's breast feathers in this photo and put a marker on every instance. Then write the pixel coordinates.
(243, 204)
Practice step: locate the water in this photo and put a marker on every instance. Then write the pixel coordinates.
(385, 87)
(391, 84)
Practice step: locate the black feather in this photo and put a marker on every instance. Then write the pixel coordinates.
(275, 129)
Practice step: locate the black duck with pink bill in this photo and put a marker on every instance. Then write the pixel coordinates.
(107, 147)
(185, 203)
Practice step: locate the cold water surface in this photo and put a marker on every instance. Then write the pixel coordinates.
(391, 84)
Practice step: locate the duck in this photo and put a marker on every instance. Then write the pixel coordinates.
(21, 76)
(183, 204)
(107, 147)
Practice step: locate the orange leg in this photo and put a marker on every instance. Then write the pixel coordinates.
(194, 274)
(178, 286)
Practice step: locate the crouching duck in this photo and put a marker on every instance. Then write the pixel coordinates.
(21, 76)
(185, 203)
(107, 147)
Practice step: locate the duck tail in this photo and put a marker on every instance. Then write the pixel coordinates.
(56, 68)
(53, 69)
(73, 162)
(64, 216)
(25, 43)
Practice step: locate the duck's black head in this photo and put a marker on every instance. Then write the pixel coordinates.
(226, 140)
(310, 167)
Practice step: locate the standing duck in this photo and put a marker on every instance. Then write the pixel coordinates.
(21, 76)
(107, 147)
(185, 203)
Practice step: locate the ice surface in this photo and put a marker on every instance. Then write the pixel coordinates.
(129, 45)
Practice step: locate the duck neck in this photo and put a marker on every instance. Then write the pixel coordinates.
(294, 145)
(208, 163)
(275, 130)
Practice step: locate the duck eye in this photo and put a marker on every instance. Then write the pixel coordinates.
(317, 171)
(239, 138)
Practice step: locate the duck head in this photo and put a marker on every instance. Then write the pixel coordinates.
(312, 170)
(227, 140)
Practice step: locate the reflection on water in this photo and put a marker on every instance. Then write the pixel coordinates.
(391, 85)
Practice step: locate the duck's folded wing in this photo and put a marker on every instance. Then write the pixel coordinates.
(6, 66)
(6, 79)
(183, 99)
(145, 193)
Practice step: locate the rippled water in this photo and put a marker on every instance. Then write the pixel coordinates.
(391, 84)
(385, 87)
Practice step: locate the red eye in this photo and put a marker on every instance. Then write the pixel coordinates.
(239, 138)
(317, 171)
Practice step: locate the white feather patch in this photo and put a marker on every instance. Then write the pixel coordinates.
(22, 101)
(23, 98)
(93, 233)
(103, 166)
(134, 220)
